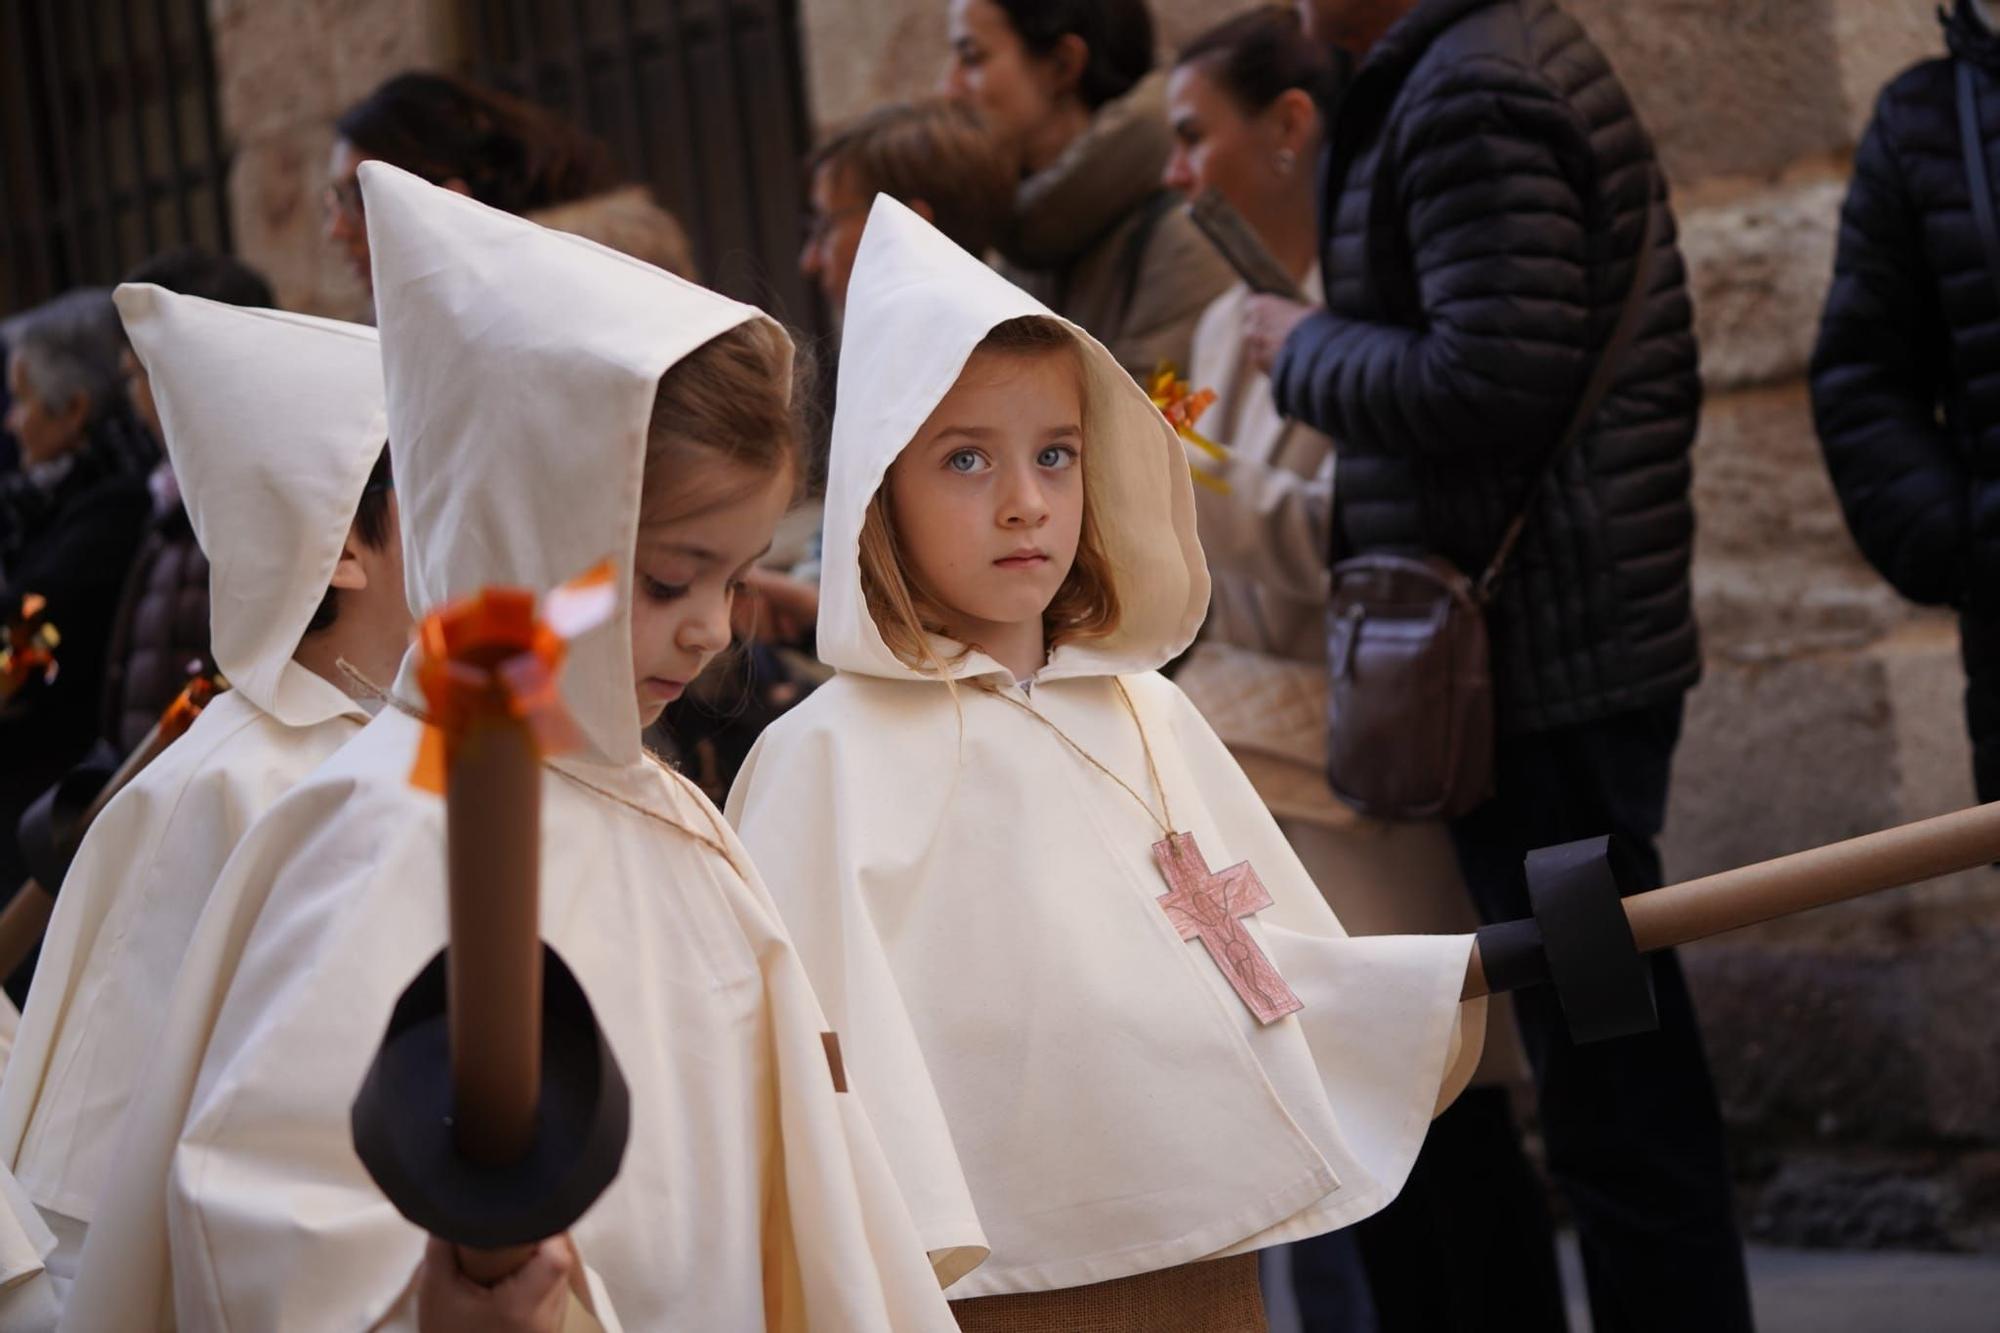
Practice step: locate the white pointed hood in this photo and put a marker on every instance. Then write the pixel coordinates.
(273, 422)
(917, 305)
(522, 365)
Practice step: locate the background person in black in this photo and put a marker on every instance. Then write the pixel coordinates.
(1905, 380)
(1486, 188)
(69, 521)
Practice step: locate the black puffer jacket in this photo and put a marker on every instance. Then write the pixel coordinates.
(1906, 376)
(1486, 187)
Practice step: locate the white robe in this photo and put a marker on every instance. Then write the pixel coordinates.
(1115, 1106)
(120, 934)
(751, 1194)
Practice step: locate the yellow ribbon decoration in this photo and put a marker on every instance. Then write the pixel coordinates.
(1182, 405)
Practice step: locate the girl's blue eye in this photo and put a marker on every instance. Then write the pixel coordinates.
(1057, 456)
(966, 461)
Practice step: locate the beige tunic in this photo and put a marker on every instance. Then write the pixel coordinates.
(1116, 1107)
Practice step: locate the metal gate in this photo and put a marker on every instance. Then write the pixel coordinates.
(704, 100)
(110, 147)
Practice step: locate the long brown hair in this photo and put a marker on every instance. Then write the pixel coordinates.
(906, 615)
(728, 400)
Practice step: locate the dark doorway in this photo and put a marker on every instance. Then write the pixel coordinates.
(703, 100)
(110, 147)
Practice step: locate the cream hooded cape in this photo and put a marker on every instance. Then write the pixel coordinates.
(272, 422)
(1116, 1108)
(521, 368)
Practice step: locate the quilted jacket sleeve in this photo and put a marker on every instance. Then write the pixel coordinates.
(1491, 165)
(1877, 384)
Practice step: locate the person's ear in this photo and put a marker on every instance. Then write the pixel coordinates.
(922, 208)
(1066, 64)
(457, 185)
(1295, 117)
(349, 572)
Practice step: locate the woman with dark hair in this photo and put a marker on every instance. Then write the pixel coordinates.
(1244, 103)
(504, 152)
(1069, 89)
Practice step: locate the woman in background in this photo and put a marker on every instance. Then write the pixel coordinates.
(504, 152)
(1070, 92)
(1244, 103)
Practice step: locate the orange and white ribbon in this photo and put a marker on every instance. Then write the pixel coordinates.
(497, 654)
(29, 649)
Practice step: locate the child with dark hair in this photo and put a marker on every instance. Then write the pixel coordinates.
(273, 422)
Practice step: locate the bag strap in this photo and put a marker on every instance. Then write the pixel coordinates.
(1595, 388)
(1974, 145)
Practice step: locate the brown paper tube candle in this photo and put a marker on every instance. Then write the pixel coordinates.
(472, 676)
(1714, 904)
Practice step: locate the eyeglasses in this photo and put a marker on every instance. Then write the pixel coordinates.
(344, 196)
(820, 225)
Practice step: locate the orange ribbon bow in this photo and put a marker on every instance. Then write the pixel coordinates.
(187, 705)
(492, 655)
(30, 647)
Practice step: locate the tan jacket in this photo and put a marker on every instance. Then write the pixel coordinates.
(1267, 538)
(1096, 239)
(1259, 673)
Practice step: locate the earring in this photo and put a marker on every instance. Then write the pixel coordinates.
(1284, 161)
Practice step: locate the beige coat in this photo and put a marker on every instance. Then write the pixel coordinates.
(1075, 242)
(1259, 673)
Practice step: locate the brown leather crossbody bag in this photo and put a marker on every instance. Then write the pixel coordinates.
(1410, 710)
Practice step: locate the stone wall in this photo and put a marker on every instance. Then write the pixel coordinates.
(286, 68)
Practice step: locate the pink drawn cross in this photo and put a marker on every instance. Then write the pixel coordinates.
(1210, 907)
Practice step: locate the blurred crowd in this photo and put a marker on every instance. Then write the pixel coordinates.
(1462, 204)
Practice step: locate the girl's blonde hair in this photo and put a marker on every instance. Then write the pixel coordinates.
(730, 399)
(1086, 606)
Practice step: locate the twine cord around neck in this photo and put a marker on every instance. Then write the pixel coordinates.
(1165, 819)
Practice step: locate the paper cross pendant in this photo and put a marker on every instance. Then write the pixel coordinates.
(1211, 908)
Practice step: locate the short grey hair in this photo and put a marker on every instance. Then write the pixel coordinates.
(70, 346)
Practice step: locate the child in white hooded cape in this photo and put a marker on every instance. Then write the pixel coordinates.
(1007, 510)
(275, 424)
(552, 404)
